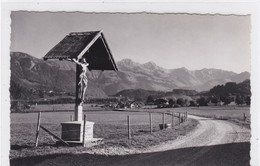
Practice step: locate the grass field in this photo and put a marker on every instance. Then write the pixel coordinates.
(232, 113)
(112, 126)
(218, 112)
(227, 112)
(62, 107)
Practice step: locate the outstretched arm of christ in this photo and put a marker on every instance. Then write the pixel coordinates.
(82, 84)
(76, 61)
(83, 62)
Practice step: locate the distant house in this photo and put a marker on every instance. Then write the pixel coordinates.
(51, 91)
(121, 105)
(232, 103)
(129, 104)
(133, 105)
(136, 104)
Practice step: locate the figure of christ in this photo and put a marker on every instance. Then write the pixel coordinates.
(83, 78)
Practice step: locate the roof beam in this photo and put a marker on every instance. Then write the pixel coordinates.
(89, 45)
(108, 51)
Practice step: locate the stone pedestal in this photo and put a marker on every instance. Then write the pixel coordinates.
(72, 132)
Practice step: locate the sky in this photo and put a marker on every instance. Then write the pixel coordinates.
(169, 40)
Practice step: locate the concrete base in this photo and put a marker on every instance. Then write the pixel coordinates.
(73, 131)
(78, 113)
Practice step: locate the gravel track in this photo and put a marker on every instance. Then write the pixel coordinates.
(209, 132)
(214, 142)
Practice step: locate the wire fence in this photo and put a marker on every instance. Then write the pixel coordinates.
(108, 125)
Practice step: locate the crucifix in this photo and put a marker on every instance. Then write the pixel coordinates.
(81, 85)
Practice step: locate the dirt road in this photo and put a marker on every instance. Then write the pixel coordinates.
(214, 142)
(209, 132)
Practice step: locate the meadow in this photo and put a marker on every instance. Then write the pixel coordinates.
(218, 112)
(231, 113)
(112, 126)
(62, 107)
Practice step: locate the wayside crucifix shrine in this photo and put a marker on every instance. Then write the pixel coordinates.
(89, 50)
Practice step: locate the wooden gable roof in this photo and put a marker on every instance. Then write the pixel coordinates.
(91, 45)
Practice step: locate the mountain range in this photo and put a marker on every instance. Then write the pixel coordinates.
(32, 72)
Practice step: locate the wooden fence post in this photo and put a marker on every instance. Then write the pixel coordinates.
(172, 120)
(129, 128)
(151, 127)
(163, 120)
(186, 116)
(71, 118)
(38, 129)
(179, 118)
(84, 128)
(244, 116)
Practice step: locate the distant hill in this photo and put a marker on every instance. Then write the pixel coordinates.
(34, 73)
(231, 88)
(184, 92)
(149, 76)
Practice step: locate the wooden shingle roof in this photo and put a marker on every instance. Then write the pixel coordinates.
(91, 45)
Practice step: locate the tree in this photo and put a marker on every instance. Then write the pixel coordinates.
(232, 88)
(160, 101)
(248, 100)
(218, 90)
(202, 101)
(225, 99)
(17, 106)
(15, 90)
(171, 102)
(150, 100)
(180, 101)
(214, 100)
(138, 99)
(192, 103)
(41, 94)
(240, 100)
(19, 92)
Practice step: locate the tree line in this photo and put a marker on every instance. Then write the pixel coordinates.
(239, 93)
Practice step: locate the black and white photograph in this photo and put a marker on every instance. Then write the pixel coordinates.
(130, 88)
